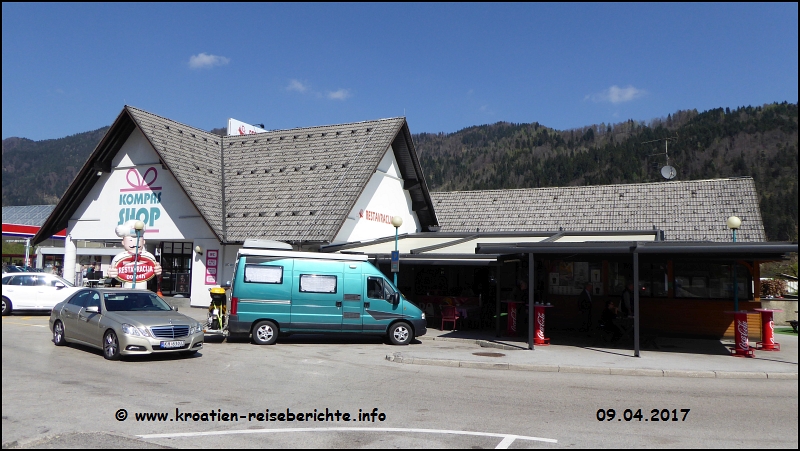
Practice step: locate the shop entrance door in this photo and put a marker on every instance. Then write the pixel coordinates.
(176, 268)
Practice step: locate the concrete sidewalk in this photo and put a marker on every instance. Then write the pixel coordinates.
(575, 353)
(666, 357)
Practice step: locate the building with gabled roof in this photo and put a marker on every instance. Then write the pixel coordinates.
(195, 190)
(336, 188)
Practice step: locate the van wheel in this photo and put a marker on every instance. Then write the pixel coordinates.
(400, 334)
(265, 333)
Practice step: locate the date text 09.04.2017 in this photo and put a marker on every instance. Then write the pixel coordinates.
(655, 415)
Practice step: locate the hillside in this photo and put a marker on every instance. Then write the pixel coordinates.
(38, 172)
(760, 142)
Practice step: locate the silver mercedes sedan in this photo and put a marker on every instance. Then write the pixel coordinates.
(124, 322)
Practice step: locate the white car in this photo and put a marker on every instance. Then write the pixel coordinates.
(34, 291)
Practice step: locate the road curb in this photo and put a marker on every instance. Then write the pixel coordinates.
(648, 372)
(481, 343)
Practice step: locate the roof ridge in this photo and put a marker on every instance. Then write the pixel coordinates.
(675, 182)
(323, 126)
(129, 107)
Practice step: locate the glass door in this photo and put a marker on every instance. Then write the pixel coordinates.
(176, 268)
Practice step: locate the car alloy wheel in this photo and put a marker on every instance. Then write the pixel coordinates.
(110, 346)
(58, 334)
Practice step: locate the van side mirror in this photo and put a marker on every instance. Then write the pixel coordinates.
(93, 309)
(395, 298)
(59, 285)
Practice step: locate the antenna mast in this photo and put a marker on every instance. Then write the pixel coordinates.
(668, 172)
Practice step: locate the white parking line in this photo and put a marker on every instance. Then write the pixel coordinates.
(507, 439)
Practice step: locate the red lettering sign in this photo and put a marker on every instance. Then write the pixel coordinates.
(144, 268)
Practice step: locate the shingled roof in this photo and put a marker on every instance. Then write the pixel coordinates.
(193, 157)
(294, 185)
(300, 184)
(693, 210)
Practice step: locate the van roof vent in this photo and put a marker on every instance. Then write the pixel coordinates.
(254, 243)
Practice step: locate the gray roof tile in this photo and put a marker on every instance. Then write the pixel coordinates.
(299, 184)
(192, 155)
(693, 210)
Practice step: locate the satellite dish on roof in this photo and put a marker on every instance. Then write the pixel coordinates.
(668, 172)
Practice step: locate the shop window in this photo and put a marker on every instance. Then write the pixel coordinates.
(710, 280)
(653, 281)
(569, 278)
(618, 275)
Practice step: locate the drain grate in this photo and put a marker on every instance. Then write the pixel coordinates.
(489, 354)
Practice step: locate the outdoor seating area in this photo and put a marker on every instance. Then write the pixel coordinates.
(100, 283)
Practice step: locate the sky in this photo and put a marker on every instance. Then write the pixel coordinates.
(71, 67)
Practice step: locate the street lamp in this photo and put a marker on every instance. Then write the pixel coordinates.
(397, 221)
(138, 226)
(734, 223)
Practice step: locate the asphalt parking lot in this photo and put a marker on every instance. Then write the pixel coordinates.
(72, 397)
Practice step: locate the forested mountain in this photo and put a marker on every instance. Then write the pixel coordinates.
(760, 142)
(38, 172)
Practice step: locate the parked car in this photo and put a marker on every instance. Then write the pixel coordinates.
(34, 291)
(124, 322)
(15, 268)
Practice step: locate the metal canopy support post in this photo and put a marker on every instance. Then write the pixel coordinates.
(636, 309)
(497, 301)
(531, 278)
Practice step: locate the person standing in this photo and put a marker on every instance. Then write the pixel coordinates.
(607, 321)
(585, 306)
(626, 306)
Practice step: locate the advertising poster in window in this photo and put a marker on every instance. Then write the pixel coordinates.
(581, 273)
(565, 273)
(182, 282)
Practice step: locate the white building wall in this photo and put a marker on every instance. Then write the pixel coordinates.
(226, 256)
(383, 198)
(139, 187)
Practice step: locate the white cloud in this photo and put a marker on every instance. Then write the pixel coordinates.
(615, 94)
(204, 60)
(296, 85)
(339, 95)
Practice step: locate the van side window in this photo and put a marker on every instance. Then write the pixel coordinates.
(315, 283)
(263, 274)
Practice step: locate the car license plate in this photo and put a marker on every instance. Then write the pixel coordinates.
(172, 344)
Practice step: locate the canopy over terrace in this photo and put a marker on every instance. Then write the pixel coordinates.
(450, 257)
(459, 248)
(755, 252)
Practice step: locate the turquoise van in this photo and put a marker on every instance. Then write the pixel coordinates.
(277, 291)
